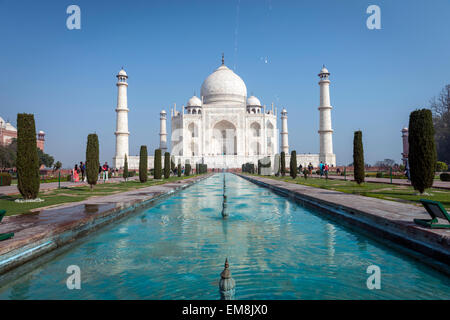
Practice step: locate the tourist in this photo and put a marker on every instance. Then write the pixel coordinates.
(325, 168)
(321, 169)
(76, 177)
(338, 171)
(105, 170)
(83, 169)
(99, 172)
(310, 169)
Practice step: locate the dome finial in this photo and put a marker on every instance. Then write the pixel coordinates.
(223, 59)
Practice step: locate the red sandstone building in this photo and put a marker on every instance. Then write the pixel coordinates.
(9, 132)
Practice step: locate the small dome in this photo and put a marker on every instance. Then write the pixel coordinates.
(194, 102)
(283, 111)
(253, 101)
(41, 132)
(163, 112)
(324, 70)
(122, 73)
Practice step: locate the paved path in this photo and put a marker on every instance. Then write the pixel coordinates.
(8, 190)
(402, 182)
(388, 219)
(48, 229)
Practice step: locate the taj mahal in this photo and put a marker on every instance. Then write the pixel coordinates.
(224, 128)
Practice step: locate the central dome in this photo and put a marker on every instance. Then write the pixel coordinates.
(223, 85)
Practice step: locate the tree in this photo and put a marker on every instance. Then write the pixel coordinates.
(172, 164)
(8, 155)
(166, 165)
(157, 169)
(45, 159)
(27, 157)
(92, 159)
(440, 107)
(57, 165)
(187, 169)
(422, 149)
(386, 163)
(179, 170)
(293, 165)
(125, 173)
(283, 163)
(358, 157)
(143, 168)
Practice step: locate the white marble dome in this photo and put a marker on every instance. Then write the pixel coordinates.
(253, 101)
(122, 73)
(324, 70)
(223, 85)
(194, 102)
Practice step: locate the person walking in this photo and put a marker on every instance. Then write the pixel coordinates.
(75, 175)
(326, 170)
(105, 170)
(82, 169)
(321, 169)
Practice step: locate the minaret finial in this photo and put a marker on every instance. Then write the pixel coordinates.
(223, 59)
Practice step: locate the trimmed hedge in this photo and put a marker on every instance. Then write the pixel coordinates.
(27, 157)
(92, 159)
(293, 165)
(166, 165)
(422, 149)
(179, 170)
(445, 176)
(5, 179)
(143, 165)
(158, 166)
(187, 169)
(358, 157)
(283, 163)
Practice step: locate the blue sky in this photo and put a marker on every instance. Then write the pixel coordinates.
(67, 77)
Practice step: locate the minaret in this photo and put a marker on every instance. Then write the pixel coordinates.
(405, 152)
(325, 130)
(284, 132)
(41, 140)
(163, 132)
(122, 132)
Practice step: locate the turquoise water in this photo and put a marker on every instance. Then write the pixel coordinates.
(276, 250)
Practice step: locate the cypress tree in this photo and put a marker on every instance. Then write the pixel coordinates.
(92, 159)
(179, 170)
(143, 168)
(125, 168)
(27, 161)
(283, 163)
(358, 157)
(172, 164)
(293, 164)
(166, 165)
(422, 149)
(187, 169)
(158, 168)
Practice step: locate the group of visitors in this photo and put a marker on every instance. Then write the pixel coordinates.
(323, 169)
(103, 172)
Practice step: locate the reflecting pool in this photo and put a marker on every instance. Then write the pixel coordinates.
(276, 249)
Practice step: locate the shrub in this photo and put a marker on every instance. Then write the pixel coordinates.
(158, 166)
(187, 169)
(166, 165)
(305, 173)
(293, 165)
(317, 171)
(125, 173)
(445, 176)
(283, 163)
(143, 166)
(379, 175)
(179, 170)
(5, 179)
(441, 166)
(358, 157)
(27, 157)
(422, 149)
(69, 177)
(92, 159)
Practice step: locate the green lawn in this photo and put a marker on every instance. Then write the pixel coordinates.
(376, 190)
(74, 194)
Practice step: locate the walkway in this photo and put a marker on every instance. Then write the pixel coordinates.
(386, 219)
(403, 182)
(12, 189)
(48, 229)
